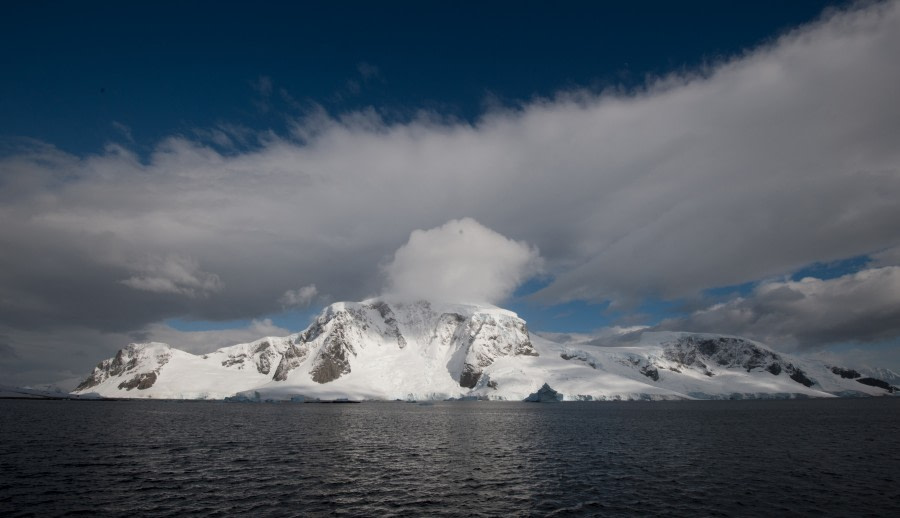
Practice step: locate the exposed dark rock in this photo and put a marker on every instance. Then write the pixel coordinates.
(263, 365)
(727, 352)
(263, 360)
(709, 347)
(757, 359)
(125, 360)
(141, 381)
(846, 373)
(234, 360)
(292, 358)
(96, 377)
(488, 332)
(452, 317)
(872, 382)
(799, 376)
(723, 351)
(390, 321)
(525, 348)
(265, 352)
(334, 358)
(582, 357)
(469, 377)
(650, 372)
(492, 384)
(313, 331)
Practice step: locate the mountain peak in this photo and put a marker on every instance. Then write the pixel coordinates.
(449, 344)
(381, 348)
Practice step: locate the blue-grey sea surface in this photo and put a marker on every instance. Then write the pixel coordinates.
(687, 458)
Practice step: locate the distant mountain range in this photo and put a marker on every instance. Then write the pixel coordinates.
(385, 350)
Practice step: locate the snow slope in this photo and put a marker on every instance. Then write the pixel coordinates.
(380, 349)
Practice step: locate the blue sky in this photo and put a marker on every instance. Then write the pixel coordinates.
(73, 69)
(205, 173)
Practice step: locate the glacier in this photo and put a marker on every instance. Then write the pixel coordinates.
(382, 349)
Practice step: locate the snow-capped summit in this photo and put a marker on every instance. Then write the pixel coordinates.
(137, 365)
(387, 349)
(371, 349)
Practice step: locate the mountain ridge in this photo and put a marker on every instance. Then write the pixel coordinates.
(384, 349)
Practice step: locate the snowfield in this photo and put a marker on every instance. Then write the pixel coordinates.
(386, 350)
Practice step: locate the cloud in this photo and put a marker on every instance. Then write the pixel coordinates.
(786, 155)
(40, 357)
(301, 297)
(201, 342)
(263, 88)
(460, 261)
(809, 313)
(873, 356)
(887, 257)
(7, 352)
(125, 130)
(174, 274)
(34, 356)
(368, 71)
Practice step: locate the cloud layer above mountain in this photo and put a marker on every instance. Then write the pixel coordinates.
(460, 261)
(859, 307)
(749, 169)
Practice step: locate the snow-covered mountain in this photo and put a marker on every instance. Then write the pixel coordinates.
(379, 349)
(886, 375)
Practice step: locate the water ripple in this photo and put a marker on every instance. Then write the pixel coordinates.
(800, 458)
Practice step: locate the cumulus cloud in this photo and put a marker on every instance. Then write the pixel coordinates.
(301, 297)
(786, 155)
(174, 274)
(460, 261)
(858, 307)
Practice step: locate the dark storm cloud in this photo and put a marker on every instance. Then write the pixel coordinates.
(7, 352)
(809, 313)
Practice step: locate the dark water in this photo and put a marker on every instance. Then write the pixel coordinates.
(711, 458)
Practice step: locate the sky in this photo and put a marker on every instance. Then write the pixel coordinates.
(206, 174)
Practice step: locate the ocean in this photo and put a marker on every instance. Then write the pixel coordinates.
(836, 457)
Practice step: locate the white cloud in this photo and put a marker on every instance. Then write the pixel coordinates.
(201, 342)
(858, 307)
(301, 297)
(460, 261)
(174, 274)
